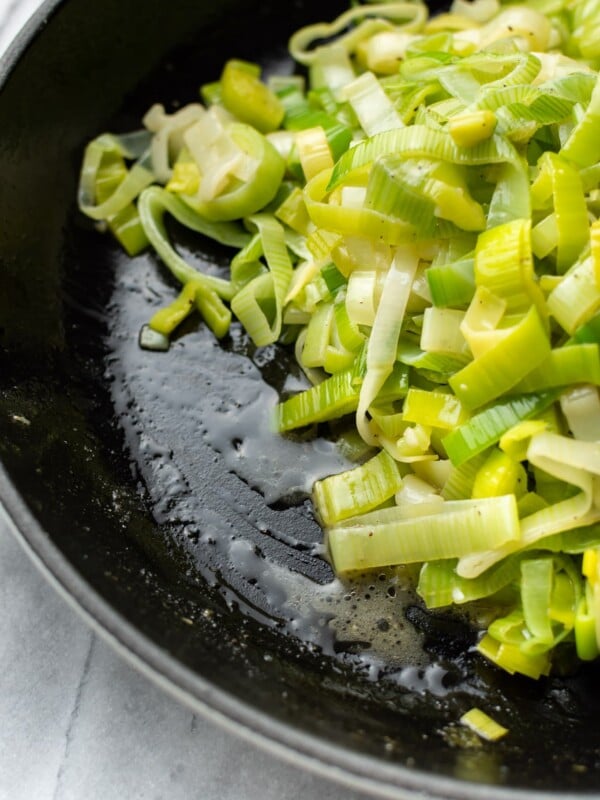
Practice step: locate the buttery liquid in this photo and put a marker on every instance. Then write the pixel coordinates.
(266, 557)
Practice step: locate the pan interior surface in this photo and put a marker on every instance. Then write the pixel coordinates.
(156, 476)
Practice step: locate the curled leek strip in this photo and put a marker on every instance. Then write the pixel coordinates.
(504, 266)
(381, 348)
(485, 428)
(330, 399)
(440, 585)
(153, 204)
(372, 18)
(165, 127)
(352, 221)
(138, 177)
(420, 141)
(577, 463)
(582, 147)
(259, 304)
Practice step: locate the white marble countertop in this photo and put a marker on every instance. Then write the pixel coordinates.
(79, 723)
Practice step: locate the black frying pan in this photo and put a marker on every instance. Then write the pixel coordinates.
(142, 481)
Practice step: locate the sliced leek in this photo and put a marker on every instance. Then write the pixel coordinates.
(418, 215)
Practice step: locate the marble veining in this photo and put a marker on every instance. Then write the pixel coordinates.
(79, 723)
(69, 733)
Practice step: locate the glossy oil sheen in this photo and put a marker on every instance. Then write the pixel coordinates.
(157, 475)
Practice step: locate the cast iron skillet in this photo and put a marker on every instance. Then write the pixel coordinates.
(138, 481)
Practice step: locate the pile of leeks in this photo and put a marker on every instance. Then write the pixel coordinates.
(419, 213)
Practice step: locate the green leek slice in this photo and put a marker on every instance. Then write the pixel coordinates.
(496, 372)
(358, 490)
(250, 196)
(153, 204)
(250, 100)
(485, 428)
(462, 526)
(259, 304)
(137, 178)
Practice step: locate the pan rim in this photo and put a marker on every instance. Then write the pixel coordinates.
(301, 749)
(296, 747)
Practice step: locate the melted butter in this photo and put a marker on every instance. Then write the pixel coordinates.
(243, 432)
(235, 495)
(361, 617)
